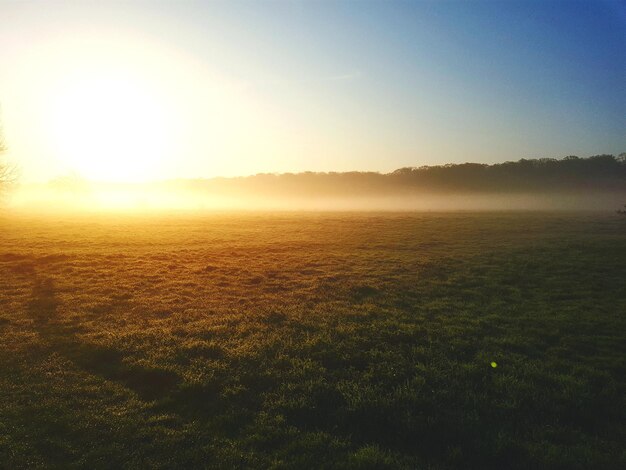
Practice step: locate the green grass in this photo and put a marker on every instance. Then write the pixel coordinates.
(313, 341)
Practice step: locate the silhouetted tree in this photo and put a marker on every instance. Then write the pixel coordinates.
(599, 173)
(7, 171)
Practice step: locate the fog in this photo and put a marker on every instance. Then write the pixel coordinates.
(154, 197)
(573, 183)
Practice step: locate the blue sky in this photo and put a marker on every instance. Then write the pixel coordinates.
(549, 75)
(366, 85)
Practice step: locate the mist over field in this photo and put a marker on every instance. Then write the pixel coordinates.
(313, 235)
(572, 183)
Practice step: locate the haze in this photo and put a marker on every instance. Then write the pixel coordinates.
(313, 234)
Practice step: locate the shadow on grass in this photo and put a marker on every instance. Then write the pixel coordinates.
(149, 383)
(43, 303)
(106, 362)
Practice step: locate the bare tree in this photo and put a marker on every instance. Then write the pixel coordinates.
(7, 171)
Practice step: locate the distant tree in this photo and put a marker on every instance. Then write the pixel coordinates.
(7, 171)
(3, 165)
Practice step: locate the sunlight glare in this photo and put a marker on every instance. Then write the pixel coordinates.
(110, 127)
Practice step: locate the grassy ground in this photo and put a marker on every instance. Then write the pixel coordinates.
(314, 341)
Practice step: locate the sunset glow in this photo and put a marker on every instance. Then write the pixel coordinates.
(312, 234)
(130, 92)
(108, 126)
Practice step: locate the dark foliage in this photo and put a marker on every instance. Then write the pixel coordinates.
(595, 173)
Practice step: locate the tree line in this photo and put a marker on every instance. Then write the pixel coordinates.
(598, 173)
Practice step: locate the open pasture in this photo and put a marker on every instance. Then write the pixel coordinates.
(313, 341)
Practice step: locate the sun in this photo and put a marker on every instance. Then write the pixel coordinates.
(110, 126)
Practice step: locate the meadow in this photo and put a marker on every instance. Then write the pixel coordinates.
(313, 340)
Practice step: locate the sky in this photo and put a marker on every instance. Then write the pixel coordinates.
(135, 91)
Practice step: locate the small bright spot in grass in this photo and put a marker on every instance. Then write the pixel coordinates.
(494, 364)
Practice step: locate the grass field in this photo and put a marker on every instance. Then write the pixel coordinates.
(313, 341)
